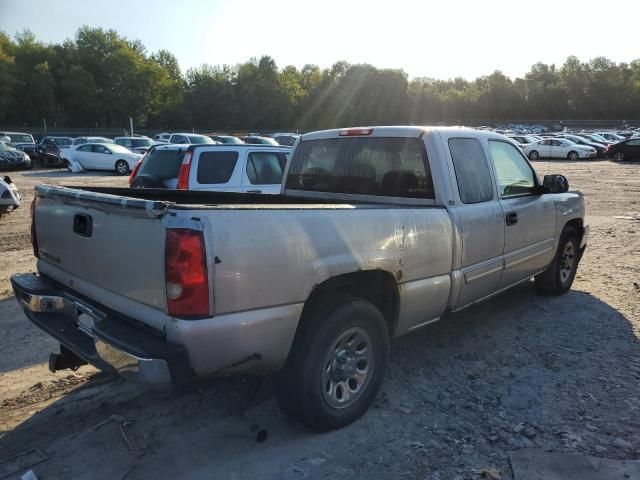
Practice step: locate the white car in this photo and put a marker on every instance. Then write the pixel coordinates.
(190, 139)
(83, 140)
(558, 148)
(101, 156)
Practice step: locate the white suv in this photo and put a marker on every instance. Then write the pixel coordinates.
(220, 168)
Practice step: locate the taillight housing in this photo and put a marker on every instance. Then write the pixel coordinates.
(186, 275)
(34, 236)
(185, 169)
(135, 170)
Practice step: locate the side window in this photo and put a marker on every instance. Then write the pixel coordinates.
(85, 148)
(515, 176)
(633, 143)
(265, 168)
(216, 167)
(99, 149)
(545, 142)
(472, 170)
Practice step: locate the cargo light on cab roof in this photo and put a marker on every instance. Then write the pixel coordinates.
(355, 132)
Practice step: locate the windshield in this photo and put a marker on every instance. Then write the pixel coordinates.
(20, 138)
(163, 164)
(199, 139)
(62, 142)
(119, 149)
(142, 142)
(229, 140)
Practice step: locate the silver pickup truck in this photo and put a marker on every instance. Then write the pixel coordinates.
(377, 232)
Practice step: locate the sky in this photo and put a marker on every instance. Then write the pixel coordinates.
(437, 39)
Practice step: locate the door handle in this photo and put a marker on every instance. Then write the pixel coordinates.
(512, 218)
(254, 191)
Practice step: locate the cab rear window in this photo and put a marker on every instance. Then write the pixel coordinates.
(383, 166)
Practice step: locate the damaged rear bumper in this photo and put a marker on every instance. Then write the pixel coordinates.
(109, 342)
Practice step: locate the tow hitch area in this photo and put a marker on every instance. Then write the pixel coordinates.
(64, 360)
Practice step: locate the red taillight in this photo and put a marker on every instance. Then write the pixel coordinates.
(134, 172)
(187, 283)
(34, 237)
(355, 132)
(185, 169)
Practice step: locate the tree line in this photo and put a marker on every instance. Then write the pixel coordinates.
(101, 78)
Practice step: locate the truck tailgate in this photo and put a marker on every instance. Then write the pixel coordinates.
(111, 242)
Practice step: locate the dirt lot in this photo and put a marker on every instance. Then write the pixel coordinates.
(519, 371)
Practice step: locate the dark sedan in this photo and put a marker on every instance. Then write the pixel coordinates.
(11, 158)
(625, 150)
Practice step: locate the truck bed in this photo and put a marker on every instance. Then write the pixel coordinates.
(200, 198)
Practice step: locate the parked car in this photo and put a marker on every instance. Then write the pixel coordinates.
(83, 140)
(228, 139)
(362, 246)
(611, 136)
(596, 138)
(522, 140)
(47, 151)
(625, 150)
(21, 141)
(9, 196)
(162, 137)
(190, 138)
(101, 156)
(219, 168)
(285, 138)
(580, 140)
(260, 141)
(12, 158)
(135, 144)
(558, 148)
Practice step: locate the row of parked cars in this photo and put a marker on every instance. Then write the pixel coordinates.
(574, 146)
(19, 150)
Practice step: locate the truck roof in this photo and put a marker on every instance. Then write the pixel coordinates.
(393, 131)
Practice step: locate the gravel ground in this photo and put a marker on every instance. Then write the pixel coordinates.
(519, 371)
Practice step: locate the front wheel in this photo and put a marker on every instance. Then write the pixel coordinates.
(573, 156)
(558, 278)
(534, 155)
(122, 167)
(336, 365)
(618, 157)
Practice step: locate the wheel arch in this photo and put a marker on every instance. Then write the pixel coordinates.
(376, 286)
(578, 225)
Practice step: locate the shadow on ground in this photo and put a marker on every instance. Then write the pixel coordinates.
(519, 371)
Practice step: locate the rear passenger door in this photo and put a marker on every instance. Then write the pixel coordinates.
(529, 216)
(480, 222)
(263, 172)
(214, 169)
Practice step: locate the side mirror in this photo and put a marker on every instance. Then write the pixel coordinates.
(555, 184)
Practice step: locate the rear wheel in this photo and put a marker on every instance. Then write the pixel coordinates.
(122, 167)
(618, 157)
(534, 155)
(336, 365)
(558, 278)
(573, 156)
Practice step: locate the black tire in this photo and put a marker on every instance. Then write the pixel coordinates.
(554, 280)
(300, 389)
(573, 156)
(618, 157)
(534, 155)
(122, 167)
(28, 165)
